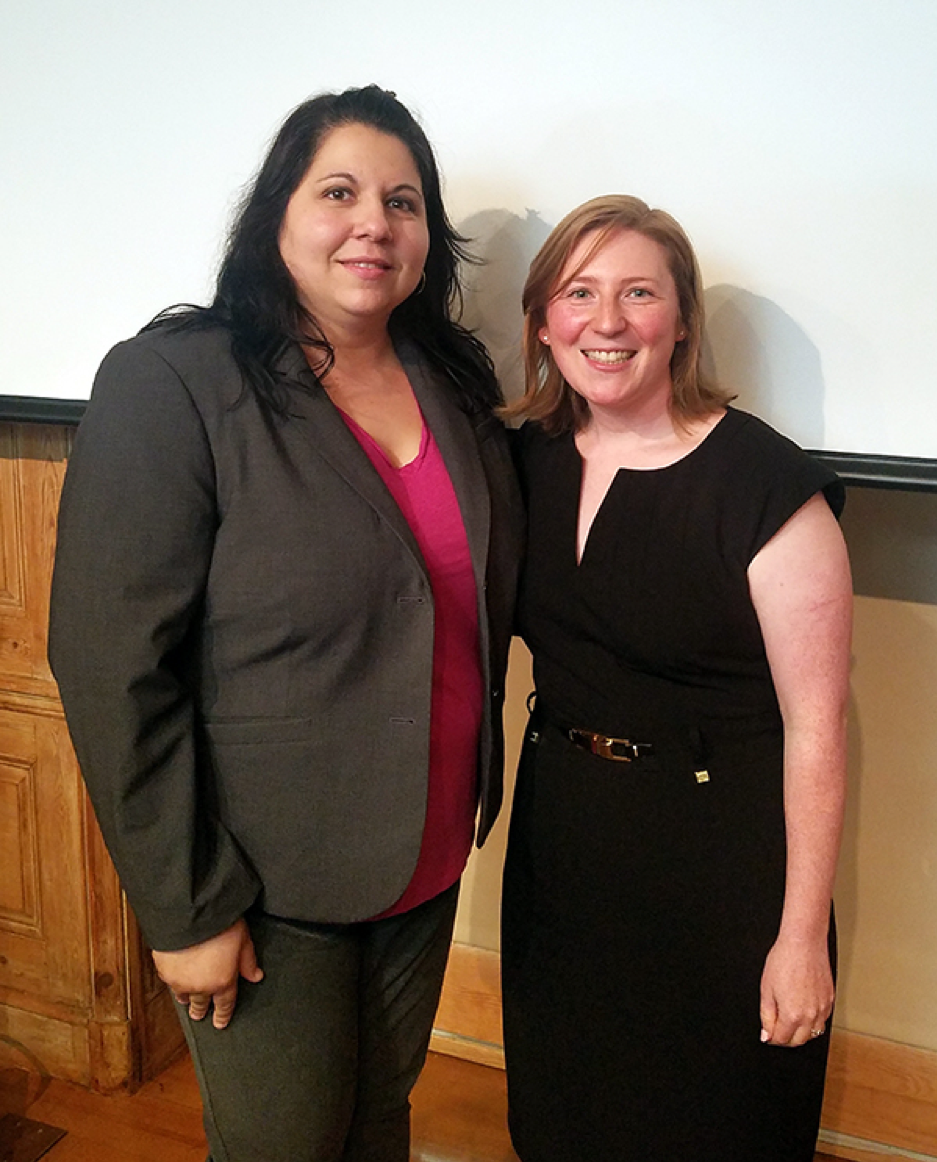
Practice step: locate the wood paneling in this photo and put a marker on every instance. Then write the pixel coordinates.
(19, 881)
(32, 467)
(44, 943)
(76, 998)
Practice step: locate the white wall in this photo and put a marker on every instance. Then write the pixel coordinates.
(794, 139)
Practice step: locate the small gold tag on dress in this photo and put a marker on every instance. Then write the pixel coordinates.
(702, 776)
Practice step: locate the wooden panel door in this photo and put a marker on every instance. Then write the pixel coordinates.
(78, 999)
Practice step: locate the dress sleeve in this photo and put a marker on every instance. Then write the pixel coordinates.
(136, 532)
(778, 478)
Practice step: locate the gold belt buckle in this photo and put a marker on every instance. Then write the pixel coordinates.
(603, 746)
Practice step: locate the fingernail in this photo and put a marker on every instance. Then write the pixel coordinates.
(765, 1036)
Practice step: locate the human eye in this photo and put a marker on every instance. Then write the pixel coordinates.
(336, 193)
(640, 292)
(404, 203)
(577, 292)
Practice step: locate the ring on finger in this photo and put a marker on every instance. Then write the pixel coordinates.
(817, 1032)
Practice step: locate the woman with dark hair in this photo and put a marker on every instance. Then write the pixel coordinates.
(667, 946)
(282, 604)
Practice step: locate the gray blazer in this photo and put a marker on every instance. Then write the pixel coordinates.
(242, 633)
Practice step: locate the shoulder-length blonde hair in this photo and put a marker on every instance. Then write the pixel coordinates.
(548, 398)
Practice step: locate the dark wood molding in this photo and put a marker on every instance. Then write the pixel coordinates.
(907, 473)
(22, 409)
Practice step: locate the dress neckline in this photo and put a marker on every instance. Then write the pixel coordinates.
(634, 473)
(688, 455)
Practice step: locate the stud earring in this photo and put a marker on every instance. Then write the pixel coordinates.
(544, 338)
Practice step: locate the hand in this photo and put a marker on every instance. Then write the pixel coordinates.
(208, 973)
(796, 992)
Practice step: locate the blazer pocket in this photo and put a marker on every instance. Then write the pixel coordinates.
(259, 731)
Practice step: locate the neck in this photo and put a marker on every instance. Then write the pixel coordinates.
(642, 440)
(650, 421)
(356, 350)
(365, 356)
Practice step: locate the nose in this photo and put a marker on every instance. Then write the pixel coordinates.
(609, 317)
(372, 220)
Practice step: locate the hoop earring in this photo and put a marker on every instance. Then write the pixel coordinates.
(421, 285)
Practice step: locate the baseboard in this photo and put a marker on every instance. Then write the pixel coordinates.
(881, 1096)
(478, 1052)
(46, 1045)
(881, 1092)
(468, 1023)
(831, 1145)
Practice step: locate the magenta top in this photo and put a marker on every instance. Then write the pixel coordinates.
(425, 496)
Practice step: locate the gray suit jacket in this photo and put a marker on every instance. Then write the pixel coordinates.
(242, 632)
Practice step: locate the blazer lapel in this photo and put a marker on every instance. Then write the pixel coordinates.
(451, 428)
(334, 442)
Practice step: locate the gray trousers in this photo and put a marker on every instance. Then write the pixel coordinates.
(319, 1060)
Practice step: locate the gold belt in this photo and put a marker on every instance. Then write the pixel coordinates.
(619, 750)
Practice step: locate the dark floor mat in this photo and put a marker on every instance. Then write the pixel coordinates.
(23, 1140)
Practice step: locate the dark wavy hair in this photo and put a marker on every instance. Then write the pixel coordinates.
(256, 299)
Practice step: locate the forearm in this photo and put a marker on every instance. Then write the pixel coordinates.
(814, 800)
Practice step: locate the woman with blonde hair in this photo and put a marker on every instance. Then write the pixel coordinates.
(668, 945)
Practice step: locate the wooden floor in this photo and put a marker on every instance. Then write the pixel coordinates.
(458, 1116)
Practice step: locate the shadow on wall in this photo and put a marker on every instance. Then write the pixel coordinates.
(505, 243)
(755, 349)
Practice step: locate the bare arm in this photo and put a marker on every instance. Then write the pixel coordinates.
(802, 593)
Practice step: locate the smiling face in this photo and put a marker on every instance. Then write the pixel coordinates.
(354, 236)
(613, 325)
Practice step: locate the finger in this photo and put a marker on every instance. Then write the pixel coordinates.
(199, 1006)
(769, 1019)
(225, 1000)
(788, 1032)
(797, 1031)
(782, 1028)
(247, 963)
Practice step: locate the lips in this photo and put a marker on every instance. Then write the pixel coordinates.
(365, 264)
(609, 358)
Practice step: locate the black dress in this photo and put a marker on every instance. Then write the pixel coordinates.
(641, 898)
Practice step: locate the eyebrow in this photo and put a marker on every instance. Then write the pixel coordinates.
(591, 278)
